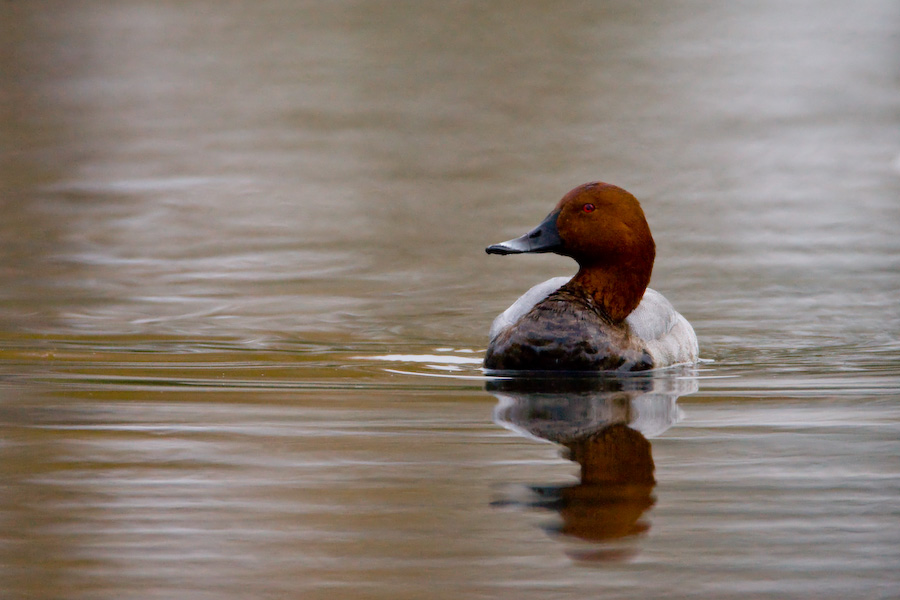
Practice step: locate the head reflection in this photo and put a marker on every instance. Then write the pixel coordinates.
(604, 424)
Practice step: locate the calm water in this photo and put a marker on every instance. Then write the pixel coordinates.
(244, 300)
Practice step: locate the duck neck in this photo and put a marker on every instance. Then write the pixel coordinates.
(614, 291)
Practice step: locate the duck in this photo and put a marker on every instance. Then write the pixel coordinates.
(605, 318)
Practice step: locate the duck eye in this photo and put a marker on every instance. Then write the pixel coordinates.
(588, 208)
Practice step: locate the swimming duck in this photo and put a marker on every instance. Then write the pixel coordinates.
(605, 318)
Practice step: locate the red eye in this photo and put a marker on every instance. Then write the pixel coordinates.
(588, 208)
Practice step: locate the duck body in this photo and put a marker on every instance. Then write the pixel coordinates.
(551, 329)
(603, 319)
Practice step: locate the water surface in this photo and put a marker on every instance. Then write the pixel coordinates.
(244, 300)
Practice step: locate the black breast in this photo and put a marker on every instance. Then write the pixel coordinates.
(561, 335)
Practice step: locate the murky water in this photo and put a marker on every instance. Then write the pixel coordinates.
(244, 300)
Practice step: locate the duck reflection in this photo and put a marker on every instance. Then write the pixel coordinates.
(604, 424)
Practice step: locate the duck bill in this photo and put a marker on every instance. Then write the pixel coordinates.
(543, 238)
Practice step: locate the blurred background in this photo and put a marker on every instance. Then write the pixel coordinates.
(242, 269)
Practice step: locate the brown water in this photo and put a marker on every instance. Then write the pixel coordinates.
(244, 299)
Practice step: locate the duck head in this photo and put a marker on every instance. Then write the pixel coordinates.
(603, 228)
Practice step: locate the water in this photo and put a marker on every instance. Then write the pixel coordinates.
(244, 299)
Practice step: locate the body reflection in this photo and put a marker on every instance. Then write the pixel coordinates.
(604, 424)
